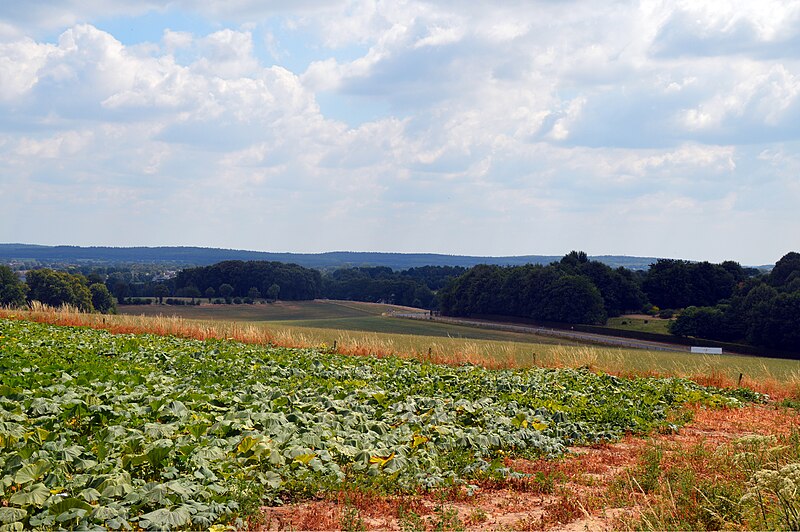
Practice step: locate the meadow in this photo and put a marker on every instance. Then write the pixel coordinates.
(640, 324)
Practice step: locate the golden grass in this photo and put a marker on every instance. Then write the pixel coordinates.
(779, 378)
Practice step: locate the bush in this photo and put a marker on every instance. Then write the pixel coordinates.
(137, 301)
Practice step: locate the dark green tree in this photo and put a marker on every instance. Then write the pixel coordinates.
(57, 288)
(784, 269)
(161, 291)
(225, 290)
(210, 293)
(12, 289)
(102, 300)
(699, 322)
(273, 292)
(573, 299)
(189, 291)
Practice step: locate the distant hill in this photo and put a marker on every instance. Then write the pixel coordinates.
(196, 256)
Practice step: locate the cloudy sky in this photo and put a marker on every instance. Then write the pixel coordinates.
(488, 128)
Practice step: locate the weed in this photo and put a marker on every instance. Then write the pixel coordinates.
(565, 509)
(446, 518)
(648, 472)
(407, 516)
(476, 516)
(351, 520)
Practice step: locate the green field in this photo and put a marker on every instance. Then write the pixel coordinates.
(160, 432)
(334, 315)
(639, 324)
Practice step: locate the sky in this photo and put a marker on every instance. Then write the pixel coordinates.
(650, 128)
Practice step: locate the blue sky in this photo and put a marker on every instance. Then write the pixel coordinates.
(650, 128)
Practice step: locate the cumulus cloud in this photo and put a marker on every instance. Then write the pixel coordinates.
(491, 120)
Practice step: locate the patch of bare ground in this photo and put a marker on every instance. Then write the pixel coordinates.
(581, 491)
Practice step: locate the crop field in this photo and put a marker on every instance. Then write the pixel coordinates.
(359, 328)
(268, 312)
(333, 315)
(156, 432)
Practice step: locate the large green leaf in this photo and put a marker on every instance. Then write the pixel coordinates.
(69, 503)
(31, 472)
(34, 495)
(9, 514)
(166, 518)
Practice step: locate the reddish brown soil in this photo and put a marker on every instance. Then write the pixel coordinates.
(580, 498)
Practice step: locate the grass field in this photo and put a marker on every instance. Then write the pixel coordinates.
(300, 316)
(640, 324)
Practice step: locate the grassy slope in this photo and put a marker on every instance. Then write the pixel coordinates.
(648, 325)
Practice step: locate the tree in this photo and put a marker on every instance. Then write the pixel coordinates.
(189, 291)
(12, 289)
(56, 288)
(573, 299)
(784, 268)
(254, 293)
(121, 290)
(210, 293)
(699, 322)
(273, 291)
(102, 300)
(225, 290)
(161, 291)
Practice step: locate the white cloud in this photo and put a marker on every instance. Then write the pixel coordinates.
(227, 54)
(62, 145)
(521, 114)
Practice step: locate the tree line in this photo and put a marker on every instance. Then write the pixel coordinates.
(250, 279)
(723, 301)
(255, 279)
(414, 287)
(54, 288)
(763, 310)
(573, 290)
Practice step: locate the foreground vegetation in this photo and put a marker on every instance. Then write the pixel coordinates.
(160, 432)
(750, 483)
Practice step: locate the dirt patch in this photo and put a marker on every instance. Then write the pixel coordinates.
(567, 494)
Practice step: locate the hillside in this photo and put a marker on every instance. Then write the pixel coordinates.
(182, 256)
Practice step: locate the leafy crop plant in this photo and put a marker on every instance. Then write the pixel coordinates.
(126, 431)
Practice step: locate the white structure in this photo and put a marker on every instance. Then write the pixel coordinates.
(707, 350)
